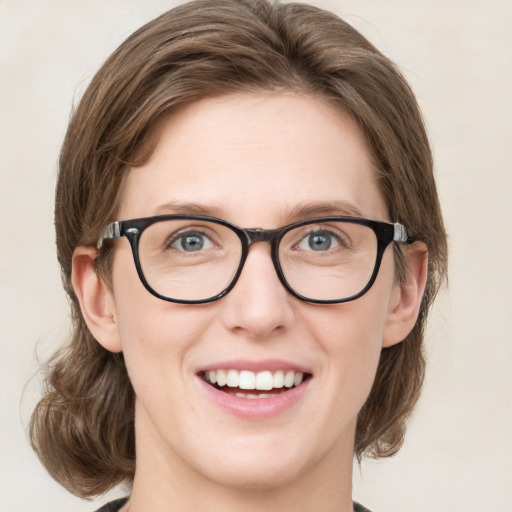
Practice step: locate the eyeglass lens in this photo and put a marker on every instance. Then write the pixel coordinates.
(197, 260)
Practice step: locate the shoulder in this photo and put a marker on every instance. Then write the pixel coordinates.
(113, 506)
(360, 508)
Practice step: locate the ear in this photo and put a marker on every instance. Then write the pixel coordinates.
(95, 298)
(406, 300)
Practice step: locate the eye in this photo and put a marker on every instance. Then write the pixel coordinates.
(319, 240)
(190, 241)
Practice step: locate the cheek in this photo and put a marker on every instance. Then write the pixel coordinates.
(356, 327)
(352, 341)
(350, 336)
(155, 335)
(154, 331)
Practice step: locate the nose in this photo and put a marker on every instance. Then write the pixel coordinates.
(259, 305)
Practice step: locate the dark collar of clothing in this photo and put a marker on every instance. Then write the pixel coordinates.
(114, 506)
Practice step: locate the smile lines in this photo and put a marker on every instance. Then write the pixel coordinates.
(248, 380)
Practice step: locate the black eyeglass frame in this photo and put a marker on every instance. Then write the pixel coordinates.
(385, 232)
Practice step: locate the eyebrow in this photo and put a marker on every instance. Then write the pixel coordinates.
(315, 209)
(189, 208)
(300, 211)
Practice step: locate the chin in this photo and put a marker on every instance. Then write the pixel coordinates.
(258, 468)
(255, 477)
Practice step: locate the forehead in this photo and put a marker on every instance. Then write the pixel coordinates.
(255, 159)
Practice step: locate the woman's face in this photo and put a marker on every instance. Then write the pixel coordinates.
(256, 161)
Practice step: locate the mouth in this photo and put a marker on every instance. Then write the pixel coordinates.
(254, 385)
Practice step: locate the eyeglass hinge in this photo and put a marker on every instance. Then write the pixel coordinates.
(113, 230)
(400, 233)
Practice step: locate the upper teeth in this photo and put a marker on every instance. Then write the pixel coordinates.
(245, 379)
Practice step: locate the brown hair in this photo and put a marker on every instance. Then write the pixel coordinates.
(83, 427)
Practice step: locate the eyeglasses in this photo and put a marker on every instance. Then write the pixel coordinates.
(193, 259)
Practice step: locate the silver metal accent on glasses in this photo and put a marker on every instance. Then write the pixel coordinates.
(400, 234)
(113, 230)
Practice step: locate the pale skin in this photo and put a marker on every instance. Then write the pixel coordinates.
(253, 160)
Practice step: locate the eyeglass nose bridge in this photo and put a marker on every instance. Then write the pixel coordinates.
(271, 236)
(261, 235)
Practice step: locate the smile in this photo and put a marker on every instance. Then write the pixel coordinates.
(241, 383)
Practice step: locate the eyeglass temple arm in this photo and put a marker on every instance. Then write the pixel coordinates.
(113, 230)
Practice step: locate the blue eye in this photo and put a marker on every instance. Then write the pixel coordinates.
(319, 241)
(191, 241)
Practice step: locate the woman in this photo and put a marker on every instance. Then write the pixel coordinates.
(250, 235)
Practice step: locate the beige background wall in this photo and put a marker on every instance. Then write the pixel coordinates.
(458, 57)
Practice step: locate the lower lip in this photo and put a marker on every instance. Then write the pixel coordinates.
(255, 408)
